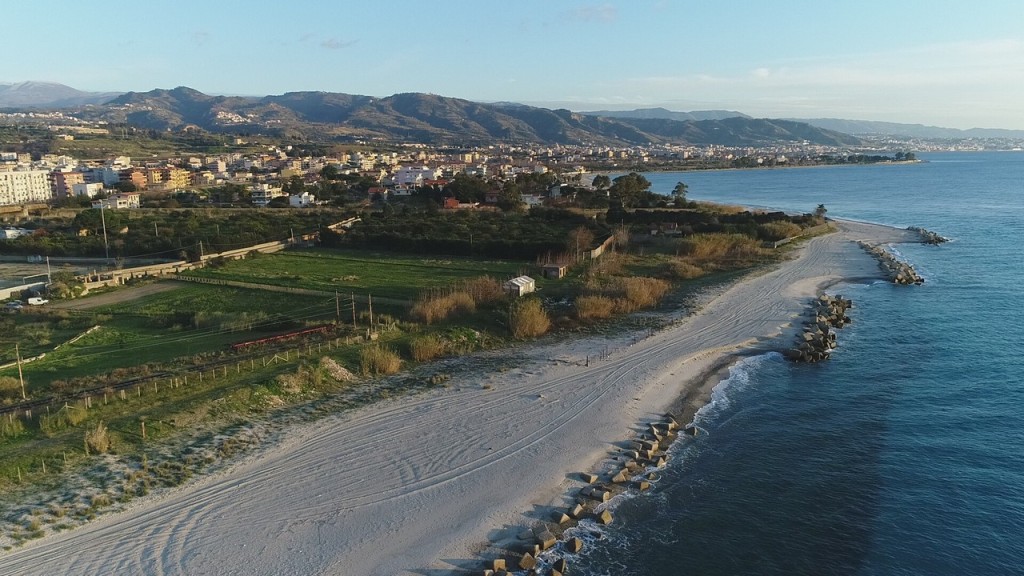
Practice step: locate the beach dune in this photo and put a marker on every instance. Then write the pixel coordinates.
(422, 485)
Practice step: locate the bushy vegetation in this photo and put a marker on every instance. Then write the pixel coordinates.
(594, 307)
(427, 347)
(528, 319)
(97, 440)
(718, 249)
(435, 308)
(379, 360)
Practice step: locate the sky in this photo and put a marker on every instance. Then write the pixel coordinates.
(956, 64)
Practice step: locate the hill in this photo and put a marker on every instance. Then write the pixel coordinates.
(434, 119)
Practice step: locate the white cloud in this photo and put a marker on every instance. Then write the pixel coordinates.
(593, 13)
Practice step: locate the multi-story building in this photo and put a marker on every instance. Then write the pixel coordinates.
(61, 182)
(136, 176)
(24, 186)
(176, 178)
(263, 193)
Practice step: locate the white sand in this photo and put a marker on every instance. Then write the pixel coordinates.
(420, 485)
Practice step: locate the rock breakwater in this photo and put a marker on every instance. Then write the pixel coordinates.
(818, 338)
(927, 236)
(899, 272)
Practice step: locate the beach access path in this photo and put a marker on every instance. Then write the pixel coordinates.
(421, 485)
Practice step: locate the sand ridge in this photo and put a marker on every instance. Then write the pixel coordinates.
(418, 485)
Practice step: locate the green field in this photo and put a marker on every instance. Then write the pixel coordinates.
(377, 274)
(188, 321)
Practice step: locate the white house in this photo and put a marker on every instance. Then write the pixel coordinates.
(303, 200)
(88, 190)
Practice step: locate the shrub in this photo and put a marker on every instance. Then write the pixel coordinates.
(10, 387)
(594, 307)
(379, 360)
(427, 347)
(97, 440)
(528, 319)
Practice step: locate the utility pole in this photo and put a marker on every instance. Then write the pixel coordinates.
(200, 250)
(103, 220)
(21, 377)
(369, 302)
(354, 311)
(337, 307)
(156, 231)
(48, 281)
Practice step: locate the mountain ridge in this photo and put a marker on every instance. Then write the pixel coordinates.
(431, 118)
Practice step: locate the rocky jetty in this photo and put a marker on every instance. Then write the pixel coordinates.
(898, 271)
(818, 339)
(630, 468)
(927, 236)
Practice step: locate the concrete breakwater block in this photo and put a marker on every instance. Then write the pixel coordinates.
(605, 518)
(574, 545)
(588, 478)
(576, 511)
(498, 565)
(546, 540)
(561, 566)
(561, 518)
(527, 562)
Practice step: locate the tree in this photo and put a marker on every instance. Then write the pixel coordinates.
(601, 182)
(679, 192)
(579, 240)
(126, 186)
(329, 172)
(630, 189)
(820, 211)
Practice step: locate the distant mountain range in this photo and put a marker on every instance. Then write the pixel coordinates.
(429, 118)
(866, 127)
(662, 113)
(48, 95)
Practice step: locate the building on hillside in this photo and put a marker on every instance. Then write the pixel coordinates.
(124, 200)
(24, 186)
(263, 193)
(10, 233)
(519, 286)
(88, 190)
(136, 176)
(304, 200)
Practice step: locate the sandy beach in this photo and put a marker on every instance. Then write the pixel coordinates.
(422, 485)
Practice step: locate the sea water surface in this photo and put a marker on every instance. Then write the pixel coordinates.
(904, 453)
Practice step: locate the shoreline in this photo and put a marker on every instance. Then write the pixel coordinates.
(426, 483)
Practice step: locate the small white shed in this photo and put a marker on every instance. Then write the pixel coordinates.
(520, 286)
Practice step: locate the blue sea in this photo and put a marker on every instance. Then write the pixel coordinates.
(904, 453)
